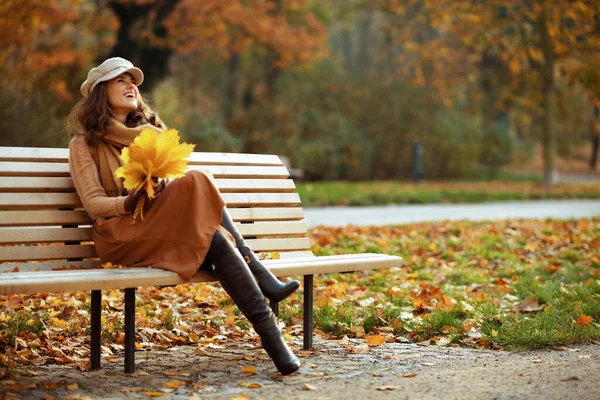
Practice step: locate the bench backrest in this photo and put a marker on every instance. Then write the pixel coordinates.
(43, 225)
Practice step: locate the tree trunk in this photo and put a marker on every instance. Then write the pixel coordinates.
(595, 148)
(595, 140)
(230, 103)
(547, 71)
(153, 59)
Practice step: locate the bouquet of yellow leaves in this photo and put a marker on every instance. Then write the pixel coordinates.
(152, 155)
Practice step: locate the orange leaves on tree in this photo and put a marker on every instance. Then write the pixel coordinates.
(233, 25)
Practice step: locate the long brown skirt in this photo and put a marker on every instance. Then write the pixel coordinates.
(175, 234)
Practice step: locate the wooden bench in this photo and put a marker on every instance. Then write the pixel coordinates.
(43, 227)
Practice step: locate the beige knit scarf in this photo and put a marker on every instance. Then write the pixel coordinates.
(106, 154)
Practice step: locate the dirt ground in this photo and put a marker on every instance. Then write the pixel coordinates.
(345, 369)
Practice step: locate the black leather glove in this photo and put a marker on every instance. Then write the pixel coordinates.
(134, 197)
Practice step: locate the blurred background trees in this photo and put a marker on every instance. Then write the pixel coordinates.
(343, 88)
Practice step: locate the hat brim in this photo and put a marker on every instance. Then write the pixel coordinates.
(137, 74)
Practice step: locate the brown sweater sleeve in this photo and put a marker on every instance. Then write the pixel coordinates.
(86, 179)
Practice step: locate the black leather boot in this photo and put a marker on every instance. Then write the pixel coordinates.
(237, 280)
(272, 287)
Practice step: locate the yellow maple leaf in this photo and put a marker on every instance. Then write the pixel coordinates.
(375, 340)
(152, 155)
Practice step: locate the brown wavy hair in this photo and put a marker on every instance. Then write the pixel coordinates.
(91, 115)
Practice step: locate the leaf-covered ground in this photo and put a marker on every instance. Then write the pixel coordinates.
(497, 284)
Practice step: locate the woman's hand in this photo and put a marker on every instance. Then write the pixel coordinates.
(134, 197)
(158, 186)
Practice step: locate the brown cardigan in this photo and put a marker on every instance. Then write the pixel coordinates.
(86, 179)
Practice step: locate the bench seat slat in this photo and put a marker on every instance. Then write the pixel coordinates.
(59, 252)
(47, 235)
(44, 235)
(80, 217)
(71, 200)
(44, 218)
(60, 265)
(279, 244)
(40, 253)
(24, 184)
(263, 229)
(36, 184)
(43, 169)
(267, 214)
(96, 279)
(255, 185)
(48, 154)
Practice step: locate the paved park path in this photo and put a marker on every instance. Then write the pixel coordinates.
(385, 215)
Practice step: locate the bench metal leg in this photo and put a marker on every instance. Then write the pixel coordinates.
(129, 330)
(275, 307)
(95, 328)
(308, 311)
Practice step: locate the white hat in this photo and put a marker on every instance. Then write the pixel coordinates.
(108, 70)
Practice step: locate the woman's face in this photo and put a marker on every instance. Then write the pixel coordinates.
(122, 94)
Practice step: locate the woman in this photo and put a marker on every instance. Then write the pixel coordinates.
(179, 231)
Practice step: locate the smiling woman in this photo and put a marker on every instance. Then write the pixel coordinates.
(122, 95)
(185, 223)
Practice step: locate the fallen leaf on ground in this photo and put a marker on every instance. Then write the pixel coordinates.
(254, 385)
(375, 340)
(175, 384)
(531, 304)
(153, 393)
(584, 321)
(308, 386)
(72, 387)
(249, 370)
(382, 388)
(571, 378)
(411, 375)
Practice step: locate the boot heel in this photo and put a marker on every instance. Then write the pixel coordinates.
(275, 346)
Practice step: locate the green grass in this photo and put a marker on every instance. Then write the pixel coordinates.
(526, 284)
(20, 322)
(387, 192)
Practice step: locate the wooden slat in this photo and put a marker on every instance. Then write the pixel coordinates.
(62, 200)
(44, 218)
(47, 154)
(33, 184)
(40, 154)
(48, 235)
(203, 158)
(263, 229)
(279, 244)
(41, 253)
(97, 279)
(267, 214)
(255, 185)
(46, 265)
(50, 265)
(261, 199)
(33, 169)
(274, 172)
(41, 169)
(64, 184)
(332, 264)
(15, 201)
(44, 235)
